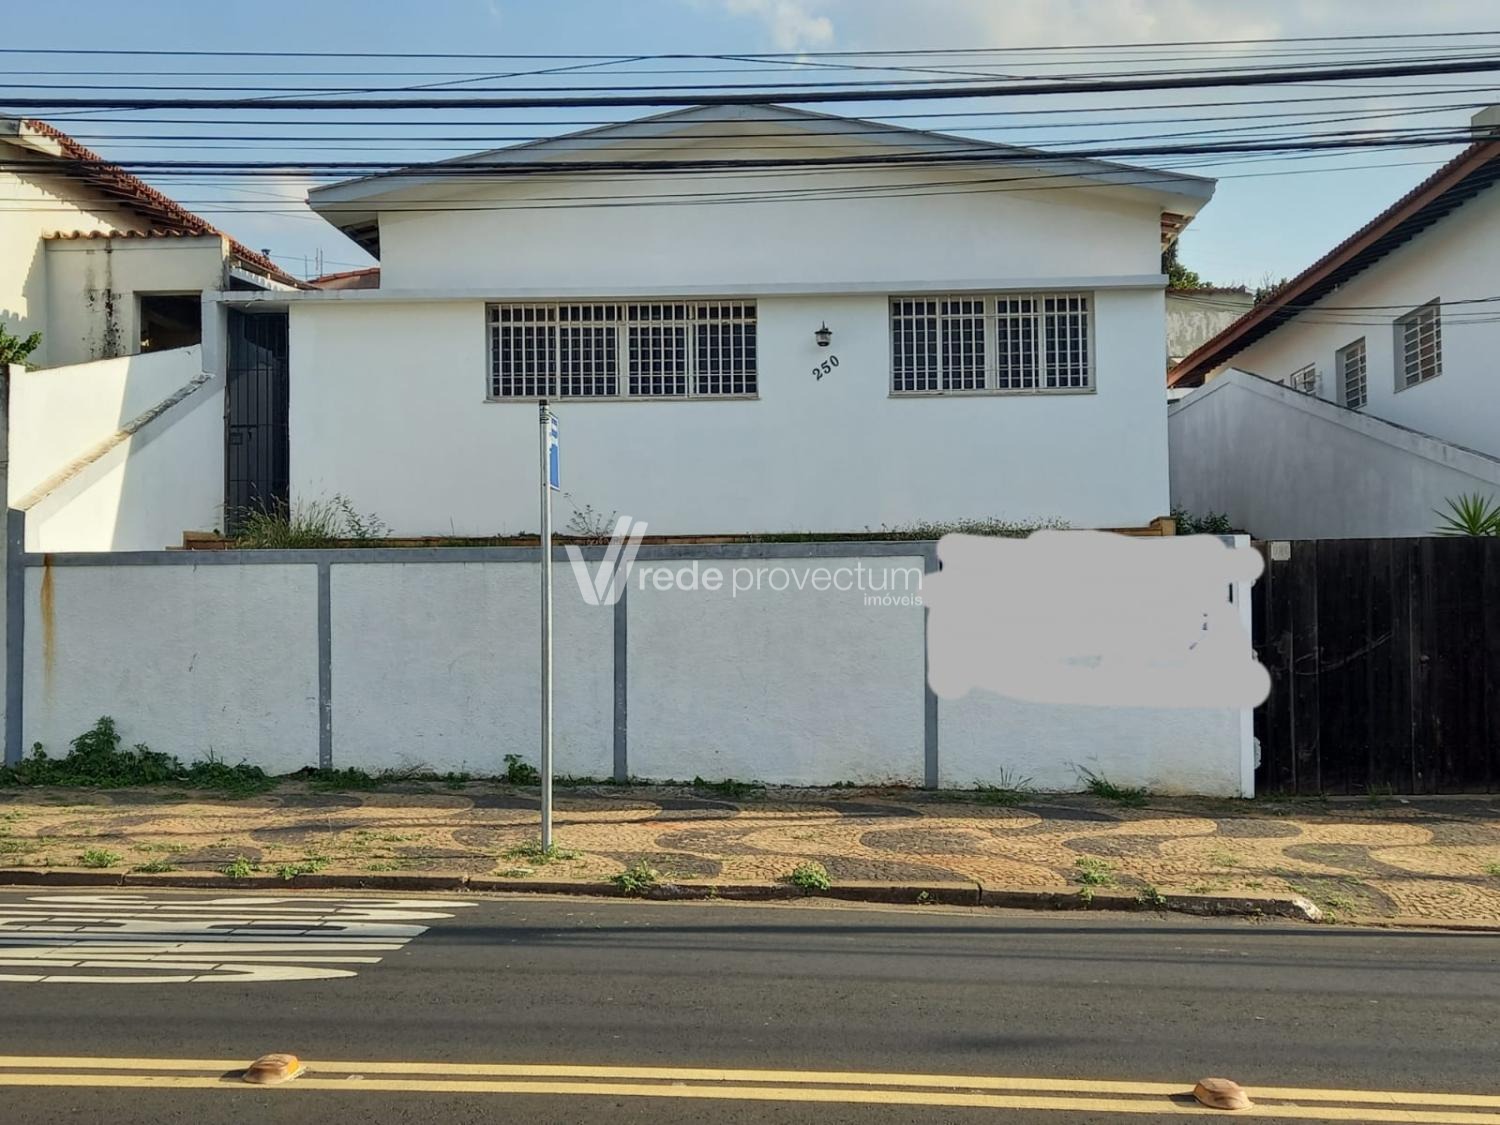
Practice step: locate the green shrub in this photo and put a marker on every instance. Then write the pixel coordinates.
(240, 868)
(810, 876)
(97, 760)
(1094, 872)
(636, 879)
(99, 857)
(1470, 514)
(518, 771)
(1215, 523)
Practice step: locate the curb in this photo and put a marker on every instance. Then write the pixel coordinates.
(954, 893)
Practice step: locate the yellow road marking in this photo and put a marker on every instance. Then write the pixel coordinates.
(773, 1085)
(763, 1093)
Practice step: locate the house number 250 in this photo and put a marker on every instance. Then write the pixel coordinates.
(826, 366)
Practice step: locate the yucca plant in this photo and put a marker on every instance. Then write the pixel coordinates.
(1469, 514)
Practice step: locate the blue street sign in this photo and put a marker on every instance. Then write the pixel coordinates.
(554, 471)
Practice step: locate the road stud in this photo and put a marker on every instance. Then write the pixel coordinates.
(1221, 1093)
(269, 1070)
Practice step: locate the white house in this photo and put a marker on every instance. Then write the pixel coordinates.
(1395, 328)
(996, 317)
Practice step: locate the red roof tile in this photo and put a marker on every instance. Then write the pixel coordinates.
(168, 216)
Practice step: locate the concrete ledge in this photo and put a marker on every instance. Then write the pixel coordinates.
(956, 893)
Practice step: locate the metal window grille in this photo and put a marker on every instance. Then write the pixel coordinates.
(1016, 360)
(1351, 364)
(1009, 342)
(961, 329)
(523, 341)
(667, 349)
(1304, 379)
(1420, 333)
(725, 338)
(1066, 330)
(914, 344)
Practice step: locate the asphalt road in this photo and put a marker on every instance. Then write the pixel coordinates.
(921, 994)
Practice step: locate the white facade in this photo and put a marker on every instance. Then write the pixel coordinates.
(1456, 262)
(407, 432)
(95, 286)
(37, 205)
(390, 387)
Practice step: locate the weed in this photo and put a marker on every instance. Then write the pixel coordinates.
(456, 780)
(730, 788)
(1094, 872)
(1206, 888)
(1492, 869)
(240, 868)
(1007, 790)
(1101, 786)
(516, 872)
(923, 898)
(1222, 858)
(533, 852)
(307, 524)
(636, 879)
(1086, 895)
(1151, 897)
(518, 771)
(388, 865)
(97, 760)
(99, 857)
(587, 524)
(154, 867)
(810, 876)
(310, 865)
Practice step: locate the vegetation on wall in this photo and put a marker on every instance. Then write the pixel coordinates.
(15, 349)
(1179, 277)
(1469, 513)
(1214, 523)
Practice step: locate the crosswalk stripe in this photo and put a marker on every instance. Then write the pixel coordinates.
(170, 939)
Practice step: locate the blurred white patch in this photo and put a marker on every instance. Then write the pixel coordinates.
(1095, 618)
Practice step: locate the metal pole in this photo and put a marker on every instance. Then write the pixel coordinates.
(546, 770)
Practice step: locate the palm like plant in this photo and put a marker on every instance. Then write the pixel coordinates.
(1470, 514)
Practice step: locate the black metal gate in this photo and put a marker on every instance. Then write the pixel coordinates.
(255, 415)
(1384, 657)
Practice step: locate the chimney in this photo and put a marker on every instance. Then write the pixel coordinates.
(1485, 125)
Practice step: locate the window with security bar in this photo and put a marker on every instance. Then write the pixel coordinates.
(1006, 342)
(1419, 343)
(1351, 367)
(657, 350)
(1304, 379)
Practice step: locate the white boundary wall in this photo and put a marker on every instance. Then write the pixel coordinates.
(429, 658)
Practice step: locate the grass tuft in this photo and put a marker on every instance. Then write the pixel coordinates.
(1100, 786)
(1094, 872)
(99, 857)
(636, 879)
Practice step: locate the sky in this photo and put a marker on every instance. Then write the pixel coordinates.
(1269, 217)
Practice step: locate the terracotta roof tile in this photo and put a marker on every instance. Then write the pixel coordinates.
(168, 216)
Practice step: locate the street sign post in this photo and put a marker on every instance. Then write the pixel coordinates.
(550, 478)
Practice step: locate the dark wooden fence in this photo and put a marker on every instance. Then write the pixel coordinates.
(1384, 657)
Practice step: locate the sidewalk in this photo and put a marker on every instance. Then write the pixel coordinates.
(1436, 858)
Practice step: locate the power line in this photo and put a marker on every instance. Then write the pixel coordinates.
(1209, 80)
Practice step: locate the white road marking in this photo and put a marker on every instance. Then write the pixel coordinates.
(161, 939)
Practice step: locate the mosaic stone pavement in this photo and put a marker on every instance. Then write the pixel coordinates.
(1427, 858)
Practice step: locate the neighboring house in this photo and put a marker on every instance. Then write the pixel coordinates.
(1396, 324)
(99, 262)
(1197, 315)
(112, 274)
(996, 321)
(349, 279)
